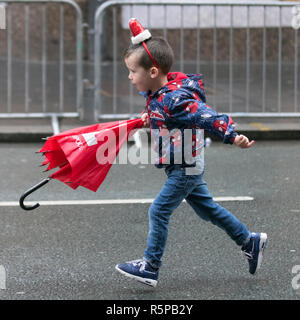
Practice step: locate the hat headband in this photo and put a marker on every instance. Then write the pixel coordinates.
(140, 35)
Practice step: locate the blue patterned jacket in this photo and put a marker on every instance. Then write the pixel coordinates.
(176, 107)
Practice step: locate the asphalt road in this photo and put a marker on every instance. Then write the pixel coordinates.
(70, 251)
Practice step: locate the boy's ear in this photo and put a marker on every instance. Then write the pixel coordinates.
(154, 72)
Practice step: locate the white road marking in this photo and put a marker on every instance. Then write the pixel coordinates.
(107, 201)
(2, 278)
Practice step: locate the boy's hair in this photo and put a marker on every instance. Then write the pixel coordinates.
(160, 51)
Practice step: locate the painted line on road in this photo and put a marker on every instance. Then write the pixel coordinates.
(108, 201)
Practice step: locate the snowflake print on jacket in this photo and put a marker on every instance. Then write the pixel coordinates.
(176, 107)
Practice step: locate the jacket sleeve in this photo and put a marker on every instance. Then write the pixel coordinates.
(185, 112)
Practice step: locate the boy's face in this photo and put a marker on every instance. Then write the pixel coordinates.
(138, 76)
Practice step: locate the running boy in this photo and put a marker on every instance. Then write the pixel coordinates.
(176, 101)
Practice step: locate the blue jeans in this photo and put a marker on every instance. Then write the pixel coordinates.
(180, 186)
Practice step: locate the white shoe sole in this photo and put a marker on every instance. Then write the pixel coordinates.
(262, 245)
(149, 282)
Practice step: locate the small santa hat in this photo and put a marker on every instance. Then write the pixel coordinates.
(139, 34)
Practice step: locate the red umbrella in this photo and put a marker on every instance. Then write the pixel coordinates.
(83, 155)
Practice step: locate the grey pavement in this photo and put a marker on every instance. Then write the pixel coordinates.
(69, 252)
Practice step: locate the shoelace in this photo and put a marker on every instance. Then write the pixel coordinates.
(142, 265)
(248, 255)
(139, 263)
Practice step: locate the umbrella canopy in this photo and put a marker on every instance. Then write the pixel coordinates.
(84, 155)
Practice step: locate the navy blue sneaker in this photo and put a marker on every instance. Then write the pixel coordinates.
(139, 270)
(254, 249)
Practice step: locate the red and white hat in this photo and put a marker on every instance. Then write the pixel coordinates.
(139, 34)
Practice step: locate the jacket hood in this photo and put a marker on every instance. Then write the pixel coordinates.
(191, 84)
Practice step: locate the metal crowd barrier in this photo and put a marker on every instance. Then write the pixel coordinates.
(275, 90)
(9, 62)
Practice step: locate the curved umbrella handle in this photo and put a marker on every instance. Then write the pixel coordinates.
(28, 192)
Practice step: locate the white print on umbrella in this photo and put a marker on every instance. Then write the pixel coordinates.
(90, 137)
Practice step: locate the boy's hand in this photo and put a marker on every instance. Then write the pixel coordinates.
(145, 119)
(243, 142)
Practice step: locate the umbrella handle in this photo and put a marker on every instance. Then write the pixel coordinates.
(28, 192)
